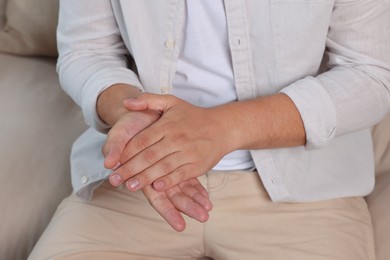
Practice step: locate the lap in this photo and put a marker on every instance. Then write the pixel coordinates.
(253, 227)
(116, 223)
(244, 224)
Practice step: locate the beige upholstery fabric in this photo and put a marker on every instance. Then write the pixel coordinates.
(30, 27)
(2, 13)
(379, 199)
(378, 203)
(38, 126)
(381, 138)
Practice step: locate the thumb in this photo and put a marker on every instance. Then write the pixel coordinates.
(112, 150)
(116, 141)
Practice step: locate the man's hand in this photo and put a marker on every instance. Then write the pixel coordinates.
(128, 125)
(189, 197)
(186, 142)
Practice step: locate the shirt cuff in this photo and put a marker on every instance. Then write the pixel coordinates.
(317, 111)
(96, 85)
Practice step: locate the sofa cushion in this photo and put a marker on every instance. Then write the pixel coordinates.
(39, 123)
(377, 201)
(2, 13)
(30, 27)
(380, 213)
(381, 139)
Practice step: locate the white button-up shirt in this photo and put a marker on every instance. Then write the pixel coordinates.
(276, 46)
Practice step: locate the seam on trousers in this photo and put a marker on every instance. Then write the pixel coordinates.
(220, 185)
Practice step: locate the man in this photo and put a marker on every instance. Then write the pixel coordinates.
(238, 117)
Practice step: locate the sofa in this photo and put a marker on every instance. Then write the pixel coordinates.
(39, 123)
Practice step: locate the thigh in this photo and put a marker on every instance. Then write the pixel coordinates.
(116, 224)
(246, 224)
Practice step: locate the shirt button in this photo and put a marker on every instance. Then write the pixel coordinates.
(164, 90)
(170, 44)
(84, 179)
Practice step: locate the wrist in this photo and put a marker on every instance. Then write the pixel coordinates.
(109, 105)
(229, 129)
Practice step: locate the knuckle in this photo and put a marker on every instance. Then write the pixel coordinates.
(180, 139)
(149, 155)
(125, 173)
(177, 176)
(145, 179)
(126, 155)
(166, 166)
(141, 142)
(179, 172)
(182, 172)
(185, 185)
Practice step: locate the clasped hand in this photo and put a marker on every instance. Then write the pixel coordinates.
(161, 147)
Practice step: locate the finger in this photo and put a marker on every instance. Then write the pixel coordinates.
(197, 185)
(139, 153)
(147, 166)
(187, 205)
(123, 131)
(160, 202)
(155, 102)
(141, 141)
(180, 174)
(112, 148)
(159, 168)
(189, 189)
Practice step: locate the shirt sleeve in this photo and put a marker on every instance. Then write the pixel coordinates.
(354, 93)
(92, 55)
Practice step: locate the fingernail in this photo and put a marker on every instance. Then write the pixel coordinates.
(115, 179)
(116, 166)
(159, 185)
(133, 184)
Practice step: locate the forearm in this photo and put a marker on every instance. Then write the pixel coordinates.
(261, 123)
(110, 102)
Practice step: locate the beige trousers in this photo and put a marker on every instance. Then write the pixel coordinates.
(244, 224)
